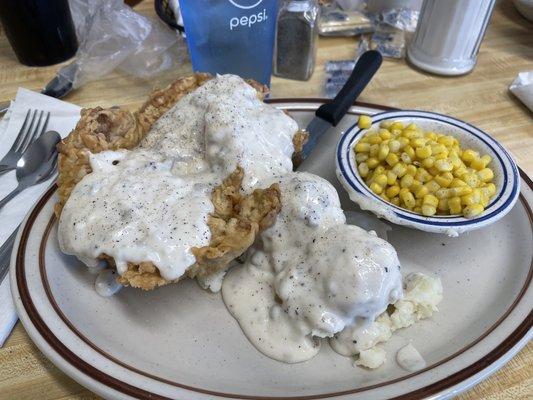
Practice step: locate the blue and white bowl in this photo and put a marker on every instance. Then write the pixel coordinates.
(506, 176)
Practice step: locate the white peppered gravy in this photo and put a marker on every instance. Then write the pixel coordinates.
(152, 203)
(310, 274)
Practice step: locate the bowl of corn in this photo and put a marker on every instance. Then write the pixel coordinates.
(427, 171)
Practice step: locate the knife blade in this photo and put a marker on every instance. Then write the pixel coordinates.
(330, 114)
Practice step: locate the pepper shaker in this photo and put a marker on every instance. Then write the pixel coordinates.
(296, 39)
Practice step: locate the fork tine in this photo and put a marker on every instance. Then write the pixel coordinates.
(37, 131)
(27, 139)
(20, 135)
(45, 125)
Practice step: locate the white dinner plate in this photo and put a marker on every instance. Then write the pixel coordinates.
(179, 342)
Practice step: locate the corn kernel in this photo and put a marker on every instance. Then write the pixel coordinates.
(409, 151)
(473, 210)
(461, 190)
(374, 139)
(477, 164)
(454, 204)
(380, 169)
(469, 199)
(486, 159)
(391, 178)
(433, 171)
(472, 180)
(397, 125)
(432, 186)
(431, 135)
(444, 179)
(430, 200)
(428, 162)
(408, 199)
(443, 205)
(441, 156)
(418, 202)
(361, 157)
(406, 158)
(395, 132)
(456, 161)
(443, 165)
(394, 146)
(423, 152)
(392, 159)
(485, 175)
(385, 124)
(429, 210)
(403, 142)
(363, 170)
(438, 148)
(393, 191)
(372, 162)
(469, 155)
(456, 182)
(403, 191)
(418, 142)
(411, 170)
(384, 196)
(412, 125)
(395, 201)
(364, 122)
(484, 199)
(422, 175)
(399, 169)
(406, 181)
(490, 188)
(417, 209)
(459, 172)
(383, 151)
(381, 180)
(376, 188)
(443, 193)
(421, 192)
(415, 186)
(384, 134)
(362, 147)
(374, 149)
(447, 141)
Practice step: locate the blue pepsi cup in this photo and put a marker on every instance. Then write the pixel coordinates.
(231, 36)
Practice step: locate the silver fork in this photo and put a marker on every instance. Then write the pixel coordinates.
(7, 247)
(31, 129)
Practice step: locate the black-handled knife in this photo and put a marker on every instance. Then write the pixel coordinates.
(330, 114)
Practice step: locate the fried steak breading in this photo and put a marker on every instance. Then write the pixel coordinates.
(236, 219)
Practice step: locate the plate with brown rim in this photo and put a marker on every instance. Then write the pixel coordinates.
(179, 342)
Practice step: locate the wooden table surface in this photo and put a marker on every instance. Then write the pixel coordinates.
(481, 97)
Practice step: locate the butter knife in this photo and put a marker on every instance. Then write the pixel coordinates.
(330, 114)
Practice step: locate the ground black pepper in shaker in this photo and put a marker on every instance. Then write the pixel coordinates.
(296, 39)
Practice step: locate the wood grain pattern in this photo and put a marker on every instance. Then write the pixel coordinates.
(481, 97)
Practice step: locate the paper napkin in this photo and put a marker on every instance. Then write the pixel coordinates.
(63, 118)
(522, 87)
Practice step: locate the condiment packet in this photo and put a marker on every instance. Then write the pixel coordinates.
(389, 42)
(338, 72)
(337, 22)
(404, 19)
(522, 87)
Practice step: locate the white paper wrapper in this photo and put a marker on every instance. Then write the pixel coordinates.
(522, 87)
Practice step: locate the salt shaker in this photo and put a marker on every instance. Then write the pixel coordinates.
(449, 34)
(296, 39)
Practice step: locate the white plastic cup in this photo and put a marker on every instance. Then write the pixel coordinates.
(448, 35)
